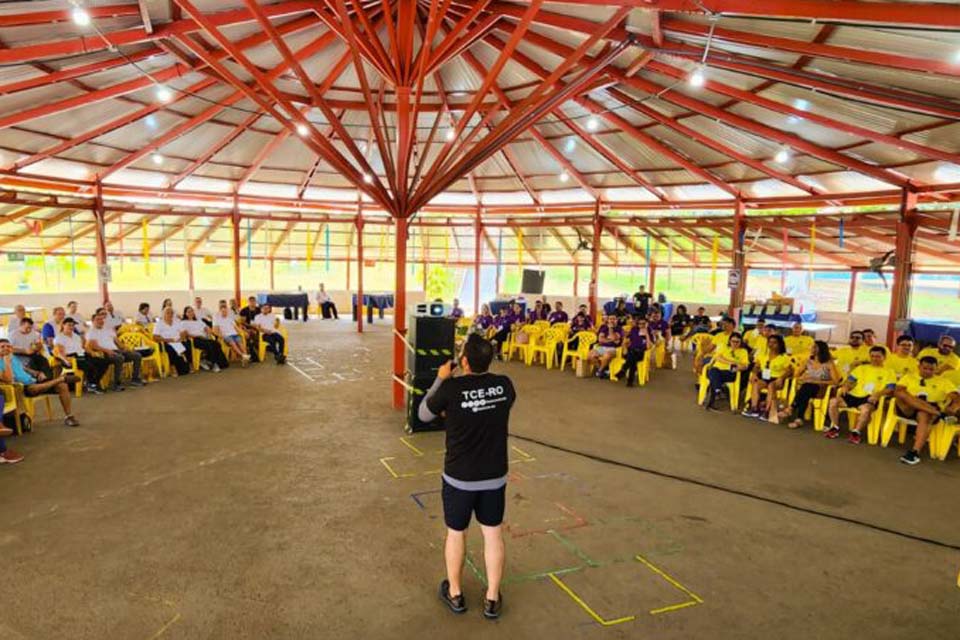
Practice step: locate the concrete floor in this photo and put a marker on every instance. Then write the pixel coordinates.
(263, 504)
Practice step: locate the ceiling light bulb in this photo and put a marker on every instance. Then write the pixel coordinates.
(593, 124)
(564, 176)
(782, 155)
(956, 57)
(450, 135)
(698, 78)
(302, 129)
(362, 147)
(164, 94)
(157, 158)
(570, 145)
(80, 17)
(368, 178)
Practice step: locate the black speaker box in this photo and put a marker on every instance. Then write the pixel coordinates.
(533, 281)
(433, 343)
(414, 424)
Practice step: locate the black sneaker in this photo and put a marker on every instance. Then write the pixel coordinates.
(118, 387)
(910, 457)
(491, 608)
(136, 382)
(457, 604)
(94, 389)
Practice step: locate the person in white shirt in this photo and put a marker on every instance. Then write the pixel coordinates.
(225, 326)
(325, 302)
(29, 349)
(72, 312)
(168, 332)
(143, 315)
(114, 318)
(201, 335)
(203, 313)
(52, 327)
(68, 344)
(102, 339)
(265, 323)
(13, 324)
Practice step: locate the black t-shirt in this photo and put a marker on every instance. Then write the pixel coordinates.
(477, 411)
(642, 301)
(249, 314)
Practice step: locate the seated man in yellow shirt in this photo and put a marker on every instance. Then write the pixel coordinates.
(727, 325)
(944, 353)
(797, 343)
(925, 397)
(771, 373)
(728, 361)
(901, 361)
(862, 390)
(754, 336)
(759, 345)
(853, 354)
(870, 340)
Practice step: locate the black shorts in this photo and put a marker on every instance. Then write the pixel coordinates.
(854, 402)
(459, 504)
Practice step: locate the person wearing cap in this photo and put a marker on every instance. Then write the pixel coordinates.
(69, 345)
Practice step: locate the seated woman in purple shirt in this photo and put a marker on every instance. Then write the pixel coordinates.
(559, 315)
(582, 321)
(658, 328)
(456, 312)
(609, 338)
(636, 343)
(503, 323)
(484, 319)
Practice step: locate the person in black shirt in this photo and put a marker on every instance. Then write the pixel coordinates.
(247, 314)
(641, 300)
(620, 312)
(476, 409)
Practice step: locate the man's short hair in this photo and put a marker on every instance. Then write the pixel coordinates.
(71, 302)
(478, 352)
(930, 360)
(68, 320)
(4, 341)
(903, 339)
(99, 311)
(866, 331)
(856, 333)
(26, 320)
(878, 349)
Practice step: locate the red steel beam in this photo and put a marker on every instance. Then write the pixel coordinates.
(64, 15)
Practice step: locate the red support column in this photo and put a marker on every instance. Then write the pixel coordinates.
(400, 313)
(235, 219)
(595, 263)
(358, 310)
(576, 283)
(851, 296)
(739, 259)
(903, 270)
(272, 285)
(477, 239)
(190, 286)
(101, 240)
(653, 277)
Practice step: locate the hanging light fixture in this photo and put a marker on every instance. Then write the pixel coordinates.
(80, 17)
(163, 93)
(698, 78)
(593, 123)
(783, 155)
(564, 176)
(157, 159)
(368, 178)
(450, 135)
(302, 130)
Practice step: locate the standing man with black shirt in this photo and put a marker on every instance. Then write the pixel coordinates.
(641, 301)
(476, 406)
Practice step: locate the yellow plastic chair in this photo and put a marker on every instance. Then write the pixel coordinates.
(784, 395)
(10, 404)
(944, 434)
(643, 367)
(586, 339)
(546, 346)
(876, 420)
(262, 345)
(733, 387)
(132, 341)
(18, 401)
(543, 325)
(817, 409)
(523, 350)
(895, 422)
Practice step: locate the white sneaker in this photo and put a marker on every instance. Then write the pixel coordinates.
(205, 365)
(246, 356)
(216, 368)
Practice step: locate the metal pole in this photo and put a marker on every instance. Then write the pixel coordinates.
(400, 314)
(235, 218)
(595, 263)
(358, 309)
(903, 269)
(476, 264)
(739, 259)
(101, 240)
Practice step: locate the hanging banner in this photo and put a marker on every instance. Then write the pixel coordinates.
(310, 249)
(146, 246)
(840, 234)
(669, 263)
(326, 241)
(954, 221)
(648, 259)
(813, 243)
(714, 256)
(73, 252)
